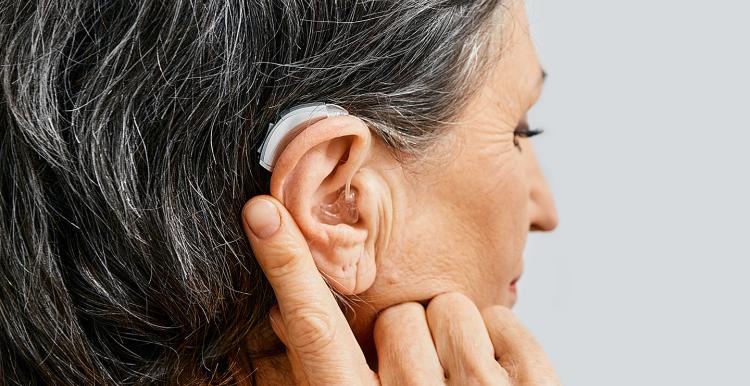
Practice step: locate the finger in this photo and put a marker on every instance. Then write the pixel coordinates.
(298, 370)
(517, 350)
(406, 353)
(463, 344)
(314, 326)
(285, 257)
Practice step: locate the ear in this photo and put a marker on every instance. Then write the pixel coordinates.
(328, 155)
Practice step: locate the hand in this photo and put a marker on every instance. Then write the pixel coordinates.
(452, 343)
(449, 342)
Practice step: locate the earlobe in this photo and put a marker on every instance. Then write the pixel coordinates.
(319, 178)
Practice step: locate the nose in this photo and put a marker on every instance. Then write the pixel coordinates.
(543, 214)
(542, 211)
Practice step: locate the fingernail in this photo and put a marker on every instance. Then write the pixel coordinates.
(263, 218)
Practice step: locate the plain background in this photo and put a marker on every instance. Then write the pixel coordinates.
(646, 281)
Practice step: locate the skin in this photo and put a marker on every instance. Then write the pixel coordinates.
(480, 198)
(437, 241)
(447, 343)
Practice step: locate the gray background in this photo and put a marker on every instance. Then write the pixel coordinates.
(647, 151)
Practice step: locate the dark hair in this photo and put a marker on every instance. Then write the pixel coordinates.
(128, 137)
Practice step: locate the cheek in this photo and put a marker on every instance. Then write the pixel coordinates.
(496, 212)
(501, 217)
(462, 229)
(495, 199)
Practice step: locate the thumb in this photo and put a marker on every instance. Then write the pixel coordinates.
(312, 325)
(277, 324)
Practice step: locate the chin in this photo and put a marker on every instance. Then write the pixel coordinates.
(504, 294)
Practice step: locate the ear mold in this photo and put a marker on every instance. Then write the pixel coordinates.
(343, 210)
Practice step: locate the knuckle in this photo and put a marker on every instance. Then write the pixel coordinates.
(464, 380)
(447, 302)
(282, 259)
(449, 298)
(501, 320)
(389, 320)
(417, 377)
(475, 370)
(478, 373)
(503, 373)
(309, 330)
(278, 268)
(400, 311)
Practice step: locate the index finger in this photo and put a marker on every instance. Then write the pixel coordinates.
(316, 329)
(285, 257)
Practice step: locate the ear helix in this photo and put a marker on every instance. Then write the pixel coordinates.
(344, 209)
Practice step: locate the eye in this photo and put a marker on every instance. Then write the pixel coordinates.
(524, 131)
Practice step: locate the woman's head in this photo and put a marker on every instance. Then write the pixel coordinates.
(454, 219)
(128, 150)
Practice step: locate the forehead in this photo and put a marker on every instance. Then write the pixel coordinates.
(512, 83)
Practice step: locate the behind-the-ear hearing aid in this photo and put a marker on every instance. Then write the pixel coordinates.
(290, 123)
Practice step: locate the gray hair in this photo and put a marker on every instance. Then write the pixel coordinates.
(128, 133)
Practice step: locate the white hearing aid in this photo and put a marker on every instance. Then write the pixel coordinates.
(290, 122)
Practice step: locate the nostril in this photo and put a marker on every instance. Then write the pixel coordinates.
(547, 225)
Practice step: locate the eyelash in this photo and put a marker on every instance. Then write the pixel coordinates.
(524, 131)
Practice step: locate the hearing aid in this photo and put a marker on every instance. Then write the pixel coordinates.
(344, 209)
(289, 124)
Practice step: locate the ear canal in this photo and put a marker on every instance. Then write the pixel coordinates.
(342, 210)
